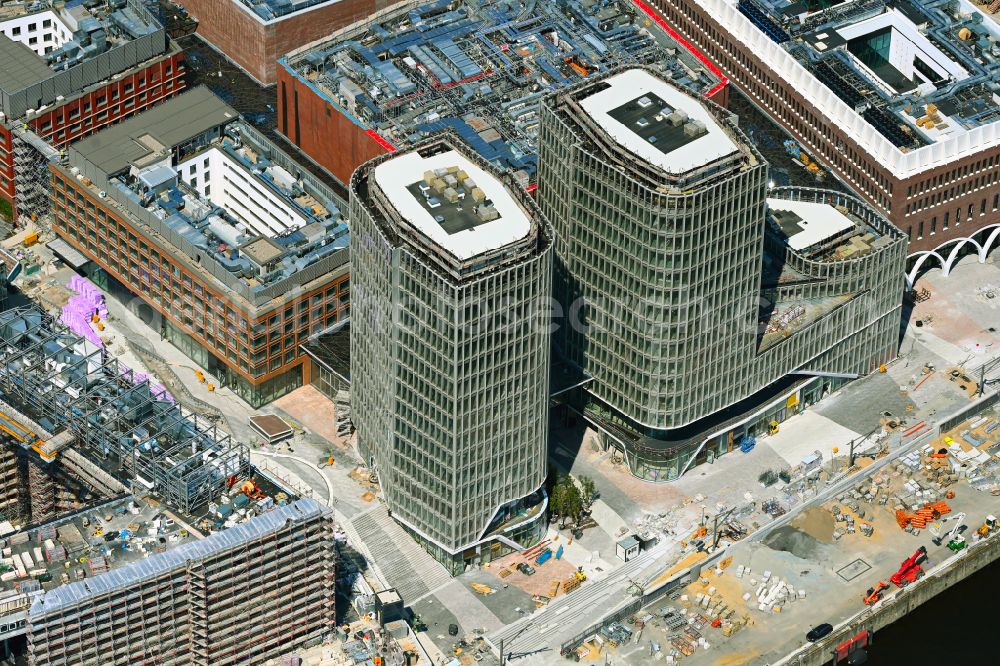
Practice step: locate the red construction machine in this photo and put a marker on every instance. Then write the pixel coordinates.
(910, 570)
(875, 593)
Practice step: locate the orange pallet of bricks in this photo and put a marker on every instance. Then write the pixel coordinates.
(926, 514)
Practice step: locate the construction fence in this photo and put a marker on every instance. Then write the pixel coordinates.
(969, 411)
(637, 604)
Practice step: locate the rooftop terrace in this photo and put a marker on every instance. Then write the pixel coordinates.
(229, 200)
(47, 48)
(918, 72)
(821, 231)
(446, 204)
(681, 141)
(480, 68)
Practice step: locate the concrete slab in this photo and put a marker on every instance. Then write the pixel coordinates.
(607, 518)
(313, 411)
(809, 431)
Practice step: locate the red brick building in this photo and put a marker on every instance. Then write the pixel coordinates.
(321, 129)
(945, 196)
(256, 33)
(42, 100)
(240, 294)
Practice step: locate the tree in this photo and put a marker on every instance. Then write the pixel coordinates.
(574, 502)
(557, 498)
(566, 500)
(588, 492)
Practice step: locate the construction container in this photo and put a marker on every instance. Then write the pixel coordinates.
(398, 629)
(31, 239)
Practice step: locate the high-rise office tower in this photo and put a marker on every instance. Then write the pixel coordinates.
(657, 204)
(452, 272)
(694, 297)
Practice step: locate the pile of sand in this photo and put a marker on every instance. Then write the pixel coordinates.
(817, 523)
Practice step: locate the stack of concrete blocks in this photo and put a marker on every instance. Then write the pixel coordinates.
(850, 511)
(713, 605)
(773, 594)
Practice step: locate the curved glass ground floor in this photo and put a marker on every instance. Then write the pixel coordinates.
(661, 456)
(522, 522)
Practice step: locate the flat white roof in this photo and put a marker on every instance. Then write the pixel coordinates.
(820, 221)
(634, 83)
(832, 109)
(395, 175)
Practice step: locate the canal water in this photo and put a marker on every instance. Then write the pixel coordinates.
(958, 626)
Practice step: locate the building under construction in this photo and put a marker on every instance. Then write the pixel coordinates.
(477, 68)
(114, 496)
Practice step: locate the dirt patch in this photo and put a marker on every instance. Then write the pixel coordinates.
(688, 560)
(315, 412)
(817, 523)
(794, 542)
(727, 587)
(737, 659)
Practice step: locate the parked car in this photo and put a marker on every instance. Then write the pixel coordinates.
(819, 631)
(526, 569)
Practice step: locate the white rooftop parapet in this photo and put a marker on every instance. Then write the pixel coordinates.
(394, 176)
(833, 109)
(632, 84)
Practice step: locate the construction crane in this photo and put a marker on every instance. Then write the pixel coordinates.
(874, 594)
(909, 570)
(937, 528)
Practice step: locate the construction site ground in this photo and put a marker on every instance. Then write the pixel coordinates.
(915, 393)
(833, 574)
(957, 330)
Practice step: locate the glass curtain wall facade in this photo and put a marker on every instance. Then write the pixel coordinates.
(450, 372)
(674, 284)
(662, 272)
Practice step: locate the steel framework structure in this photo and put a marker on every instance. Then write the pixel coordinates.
(67, 383)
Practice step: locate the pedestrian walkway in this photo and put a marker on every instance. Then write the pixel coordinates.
(404, 564)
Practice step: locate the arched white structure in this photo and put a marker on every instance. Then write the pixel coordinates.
(982, 251)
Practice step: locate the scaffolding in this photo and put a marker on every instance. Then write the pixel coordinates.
(32, 182)
(67, 383)
(12, 499)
